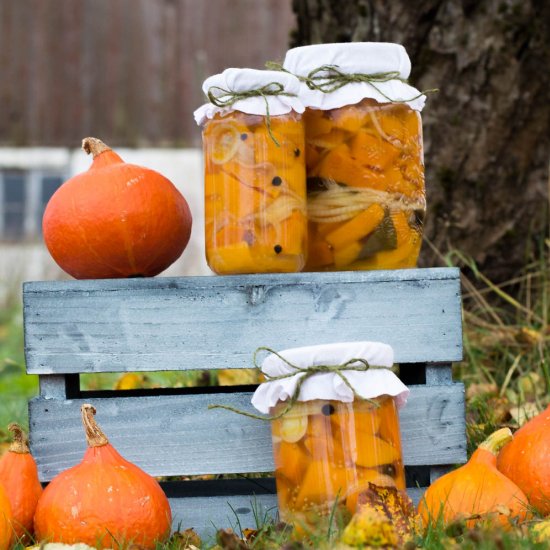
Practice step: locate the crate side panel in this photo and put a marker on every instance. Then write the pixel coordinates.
(179, 435)
(218, 322)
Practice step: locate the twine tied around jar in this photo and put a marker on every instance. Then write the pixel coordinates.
(329, 78)
(308, 372)
(227, 98)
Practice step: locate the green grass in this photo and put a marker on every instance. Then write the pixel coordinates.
(16, 387)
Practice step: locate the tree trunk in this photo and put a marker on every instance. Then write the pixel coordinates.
(487, 132)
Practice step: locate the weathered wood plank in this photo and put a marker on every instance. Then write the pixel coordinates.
(217, 322)
(178, 435)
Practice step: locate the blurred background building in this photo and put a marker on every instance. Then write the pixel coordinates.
(126, 71)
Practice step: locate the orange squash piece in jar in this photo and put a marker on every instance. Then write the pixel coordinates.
(339, 165)
(372, 150)
(322, 482)
(291, 459)
(373, 451)
(357, 228)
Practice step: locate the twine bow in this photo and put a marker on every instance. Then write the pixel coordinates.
(329, 78)
(227, 98)
(308, 372)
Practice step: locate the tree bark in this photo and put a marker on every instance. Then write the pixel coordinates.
(487, 132)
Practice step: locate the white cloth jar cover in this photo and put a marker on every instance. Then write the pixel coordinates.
(355, 58)
(374, 382)
(245, 80)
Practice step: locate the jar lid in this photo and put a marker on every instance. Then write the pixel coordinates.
(366, 58)
(226, 87)
(378, 380)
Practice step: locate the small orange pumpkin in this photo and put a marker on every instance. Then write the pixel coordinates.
(476, 490)
(116, 220)
(19, 475)
(6, 531)
(526, 460)
(104, 501)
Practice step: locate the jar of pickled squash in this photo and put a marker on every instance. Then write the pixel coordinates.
(255, 193)
(364, 159)
(335, 437)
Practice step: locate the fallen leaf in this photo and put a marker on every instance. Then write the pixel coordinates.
(186, 540)
(529, 336)
(541, 531)
(228, 540)
(476, 390)
(385, 516)
(524, 412)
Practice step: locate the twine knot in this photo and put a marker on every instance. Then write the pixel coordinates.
(329, 78)
(227, 98)
(354, 364)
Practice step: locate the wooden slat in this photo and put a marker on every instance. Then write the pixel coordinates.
(178, 435)
(217, 322)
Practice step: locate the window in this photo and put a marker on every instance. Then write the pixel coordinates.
(24, 195)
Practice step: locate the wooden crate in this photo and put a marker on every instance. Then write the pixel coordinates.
(180, 324)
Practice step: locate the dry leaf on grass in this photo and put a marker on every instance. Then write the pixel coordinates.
(386, 518)
(185, 540)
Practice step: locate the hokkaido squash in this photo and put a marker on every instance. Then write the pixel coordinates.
(19, 476)
(6, 531)
(476, 491)
(526, 460)
(116, 220)
(105, 501)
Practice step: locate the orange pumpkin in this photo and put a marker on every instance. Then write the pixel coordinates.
(526, 460)
(6, 531)
(476, 490)
(116, 220)
(19, 475)
(104, 501)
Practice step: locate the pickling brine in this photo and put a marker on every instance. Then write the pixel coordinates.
(328, 452)
(255, 194)
(365, 186)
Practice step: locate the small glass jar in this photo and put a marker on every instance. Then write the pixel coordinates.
(327, 452)
(255, 193)
(364, 159)
(339, 436)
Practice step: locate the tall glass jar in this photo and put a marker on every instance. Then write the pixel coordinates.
(364, 157)
(332, 445)
(255, 194)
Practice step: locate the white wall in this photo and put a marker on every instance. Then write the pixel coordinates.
(31, 261)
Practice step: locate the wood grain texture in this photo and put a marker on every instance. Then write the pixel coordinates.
(218, 322)
(177, 434)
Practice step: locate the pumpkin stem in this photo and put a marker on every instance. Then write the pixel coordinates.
(20, 442)
(497, 440)
(94, 146)
(94, 435)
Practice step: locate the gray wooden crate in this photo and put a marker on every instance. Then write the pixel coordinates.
(217, 322)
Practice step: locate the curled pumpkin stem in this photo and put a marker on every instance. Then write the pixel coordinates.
(20, 442)
(94, 436)
(94, 146)
(497, 440)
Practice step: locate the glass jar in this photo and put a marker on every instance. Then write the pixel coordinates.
(255, 186)
(335, 428)
(365, 182)
(364, 156)
(327, 452)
